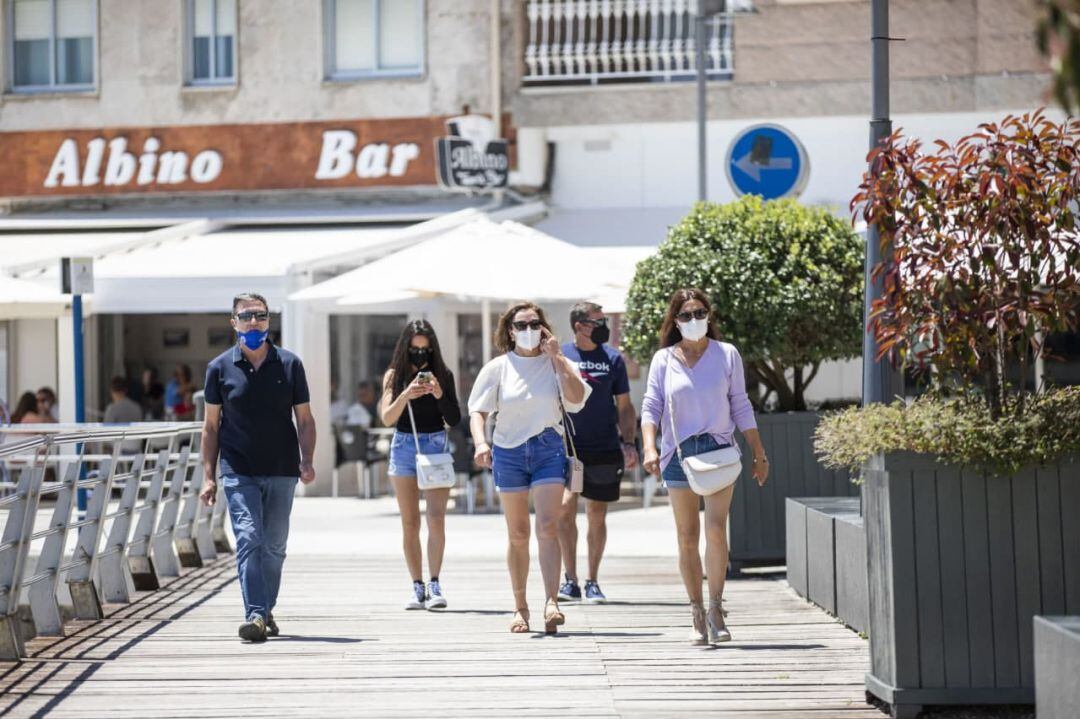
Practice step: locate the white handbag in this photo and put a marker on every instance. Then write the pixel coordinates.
(433, 471)
(577, 468)
(709, 472)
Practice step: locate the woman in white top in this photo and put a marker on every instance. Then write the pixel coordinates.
(524, 386)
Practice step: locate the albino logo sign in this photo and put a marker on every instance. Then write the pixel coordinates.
(472, 159)
(122, 167)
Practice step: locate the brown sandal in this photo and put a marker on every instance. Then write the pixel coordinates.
(553, 618)
(520, 624)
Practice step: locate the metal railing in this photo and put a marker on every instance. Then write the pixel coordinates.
(596, 41)
(143, 520)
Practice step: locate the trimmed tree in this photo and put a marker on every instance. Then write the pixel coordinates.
(982, 252)
(785, 282)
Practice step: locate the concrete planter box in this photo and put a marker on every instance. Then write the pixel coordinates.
(1057, 667)
(826, 556)
(959, 565)
(757, 523)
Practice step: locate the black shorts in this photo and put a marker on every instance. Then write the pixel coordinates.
(603, 475)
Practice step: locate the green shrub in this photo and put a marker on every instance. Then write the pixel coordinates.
(785, 282)
(958, 431)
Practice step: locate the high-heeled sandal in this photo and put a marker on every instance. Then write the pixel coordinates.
(553, 618)
(717, 632)
(520, 623)
(699, 633)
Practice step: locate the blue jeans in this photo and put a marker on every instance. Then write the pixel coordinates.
(673, 474)
(539, 460)
(259, 508)
(403, 451)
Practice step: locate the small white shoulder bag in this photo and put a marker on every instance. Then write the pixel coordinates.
(433, 471)
(709, 472)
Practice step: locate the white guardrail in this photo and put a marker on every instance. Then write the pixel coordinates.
(143, 520)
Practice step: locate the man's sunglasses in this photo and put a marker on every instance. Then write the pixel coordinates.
(531, 325)
(698, 314)
(249, 315)
(602, 322)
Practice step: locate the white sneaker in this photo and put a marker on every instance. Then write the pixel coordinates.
(435, 599)
(416, 599)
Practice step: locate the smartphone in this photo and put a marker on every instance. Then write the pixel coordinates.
(424, 377)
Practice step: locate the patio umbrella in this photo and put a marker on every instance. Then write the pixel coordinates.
(483, 261)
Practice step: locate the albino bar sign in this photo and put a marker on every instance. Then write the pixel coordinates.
(362, 153)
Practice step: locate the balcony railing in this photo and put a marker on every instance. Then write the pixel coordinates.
(605, 41)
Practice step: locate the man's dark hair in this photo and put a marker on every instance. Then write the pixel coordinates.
(249, 297)
(118, 384)
(581, 311)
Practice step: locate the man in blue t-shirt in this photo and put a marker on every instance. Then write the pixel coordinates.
(603, 435)
(253, 393)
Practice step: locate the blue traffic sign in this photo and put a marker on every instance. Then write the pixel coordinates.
(767, 160)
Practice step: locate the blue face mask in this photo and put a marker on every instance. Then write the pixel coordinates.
(253, 339)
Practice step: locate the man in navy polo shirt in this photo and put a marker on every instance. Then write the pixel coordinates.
(253, 392)
(603, 433)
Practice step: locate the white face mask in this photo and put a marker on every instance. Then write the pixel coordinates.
(527, 339)
(694, 329)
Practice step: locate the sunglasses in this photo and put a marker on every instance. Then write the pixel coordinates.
(249, 315)
(531, 325)
(602, 322)
(698, 314)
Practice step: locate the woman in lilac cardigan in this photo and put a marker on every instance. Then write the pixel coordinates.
(703, 379)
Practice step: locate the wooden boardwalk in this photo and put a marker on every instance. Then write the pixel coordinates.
(348, 649)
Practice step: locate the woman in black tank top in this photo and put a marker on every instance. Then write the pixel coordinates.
(418, 378)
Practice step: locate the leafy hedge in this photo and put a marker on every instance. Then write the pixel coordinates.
(785, 282)
(958, 431)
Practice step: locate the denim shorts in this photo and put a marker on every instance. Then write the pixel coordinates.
(674, 477)
(540, 460)
(403, 451)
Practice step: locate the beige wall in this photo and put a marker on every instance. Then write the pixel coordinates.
(280, 71)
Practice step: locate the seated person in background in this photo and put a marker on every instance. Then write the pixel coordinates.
(46, 403)
(362, 411)
(153, 395)
(28, 411)
(123, 410)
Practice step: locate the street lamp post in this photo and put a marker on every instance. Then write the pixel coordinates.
(706, 10)
(881, 382)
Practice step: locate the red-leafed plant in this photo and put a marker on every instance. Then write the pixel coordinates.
(981, 248)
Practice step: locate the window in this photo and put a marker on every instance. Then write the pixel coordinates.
(211, 42)
(374, 38)
(52, 44)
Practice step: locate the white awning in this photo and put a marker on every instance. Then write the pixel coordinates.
(20, 299)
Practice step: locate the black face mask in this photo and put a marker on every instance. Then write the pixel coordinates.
(419, 356)
(600, 334)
